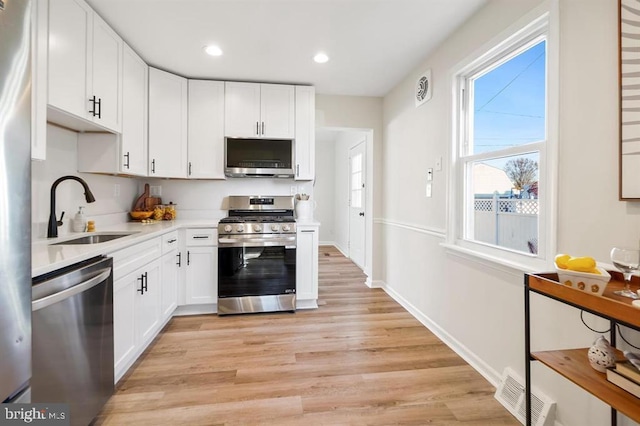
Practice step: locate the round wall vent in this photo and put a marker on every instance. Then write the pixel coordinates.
(423, 88)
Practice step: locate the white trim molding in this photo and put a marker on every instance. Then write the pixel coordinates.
(434, 232)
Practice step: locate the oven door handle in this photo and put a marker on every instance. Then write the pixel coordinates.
(257, 242)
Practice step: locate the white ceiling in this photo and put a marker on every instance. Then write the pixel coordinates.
(372, 44)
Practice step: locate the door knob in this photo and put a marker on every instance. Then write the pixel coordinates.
(361, 214)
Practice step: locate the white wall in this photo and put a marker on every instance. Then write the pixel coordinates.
(478, 307)
(61, 161)
(324, 186)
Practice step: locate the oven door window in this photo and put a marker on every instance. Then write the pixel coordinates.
(256, 271)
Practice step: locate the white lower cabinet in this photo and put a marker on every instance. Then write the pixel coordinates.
(201, 269)
(147, 302)
(139, 284)
(307, 266)
(171, 262)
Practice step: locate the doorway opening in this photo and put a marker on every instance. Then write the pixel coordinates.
(344, 193)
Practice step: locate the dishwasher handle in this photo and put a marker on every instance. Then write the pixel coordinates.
(103, 274)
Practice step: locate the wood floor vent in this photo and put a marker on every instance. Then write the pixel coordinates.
(510, 393)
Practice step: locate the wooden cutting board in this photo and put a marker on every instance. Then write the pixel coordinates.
(150, 202)
(140, 203)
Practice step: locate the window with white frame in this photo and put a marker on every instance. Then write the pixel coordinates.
(501, 162)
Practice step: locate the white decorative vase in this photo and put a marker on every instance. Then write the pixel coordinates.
(601, 355)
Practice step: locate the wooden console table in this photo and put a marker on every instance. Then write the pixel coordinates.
(573, 363)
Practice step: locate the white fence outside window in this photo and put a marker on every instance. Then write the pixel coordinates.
(510, 223)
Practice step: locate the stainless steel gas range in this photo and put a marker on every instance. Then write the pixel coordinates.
(257, 256)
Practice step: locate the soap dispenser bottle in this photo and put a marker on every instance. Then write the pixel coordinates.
(79, 221)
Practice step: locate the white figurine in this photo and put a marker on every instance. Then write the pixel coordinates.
(601, 355)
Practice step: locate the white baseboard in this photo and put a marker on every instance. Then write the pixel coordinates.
(195, 310)
(472, 359)
(307, 304)
(326, 243)
(344, 253)
(377, 284)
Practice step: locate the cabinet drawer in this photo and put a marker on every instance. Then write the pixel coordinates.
(202, 237)
(132, 258)
(170, 242)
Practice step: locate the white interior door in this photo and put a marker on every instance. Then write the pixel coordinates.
(357, 193)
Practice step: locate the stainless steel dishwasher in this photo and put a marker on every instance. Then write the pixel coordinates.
(72, 322)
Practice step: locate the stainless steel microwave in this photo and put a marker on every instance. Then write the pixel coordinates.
(245, 157)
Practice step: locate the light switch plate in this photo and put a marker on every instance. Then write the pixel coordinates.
(429, 174)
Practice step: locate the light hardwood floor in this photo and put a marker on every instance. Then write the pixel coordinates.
(360, 359)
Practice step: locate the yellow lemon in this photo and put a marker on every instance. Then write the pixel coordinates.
(561, 260)
(581, 264)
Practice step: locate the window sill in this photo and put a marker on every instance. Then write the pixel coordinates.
(513, 267)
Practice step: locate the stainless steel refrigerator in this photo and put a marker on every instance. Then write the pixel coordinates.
(15, 198)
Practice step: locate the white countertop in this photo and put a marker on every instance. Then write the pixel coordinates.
(46, 257)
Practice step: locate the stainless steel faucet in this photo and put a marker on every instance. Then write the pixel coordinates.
(52, 231)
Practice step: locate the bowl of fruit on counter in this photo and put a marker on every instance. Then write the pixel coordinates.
(581, 273)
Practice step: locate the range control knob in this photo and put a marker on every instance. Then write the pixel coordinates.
(274, 227)
(228, 228)
(240, 228)
(286, 228)
(257, 228)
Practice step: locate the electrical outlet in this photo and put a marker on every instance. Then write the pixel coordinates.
(116, 190)
(294, 190)
(155, 191)
(428, 191)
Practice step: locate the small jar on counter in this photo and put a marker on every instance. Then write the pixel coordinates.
(158, 212)
(170, 211)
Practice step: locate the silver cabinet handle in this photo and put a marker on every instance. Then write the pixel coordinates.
(298, 170)
(263, 128)
(200, 237)
(65, 294)
(257, 128)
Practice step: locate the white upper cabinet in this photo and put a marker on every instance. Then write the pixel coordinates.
(259, 110)
(84, 68)
(106, 67)
(277, 111)
(206, 130)
(124, 153)
(305, 142)
(133, 155)
(167, 124)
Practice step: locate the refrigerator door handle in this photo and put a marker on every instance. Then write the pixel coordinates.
(65, 294)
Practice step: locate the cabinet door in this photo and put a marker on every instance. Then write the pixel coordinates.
(305, 144)
(277, 111)
(307, 263)
(202, 275)
(124, 316)
(69, 23)
(169, 298)
(106, 67)
(148, 303)
(242, 110)
(133, 158)
(167, 124)
(206, 129)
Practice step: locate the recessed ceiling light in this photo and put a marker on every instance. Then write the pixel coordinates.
(321, 58)
(213, 50)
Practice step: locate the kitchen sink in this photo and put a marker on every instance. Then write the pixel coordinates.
(93, 239)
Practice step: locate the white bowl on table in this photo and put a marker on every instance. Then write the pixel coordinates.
(584, 281)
